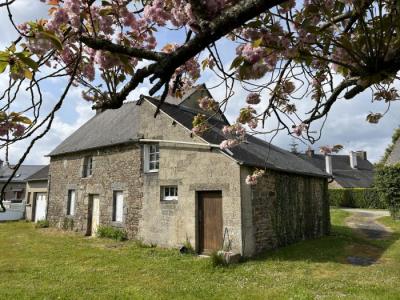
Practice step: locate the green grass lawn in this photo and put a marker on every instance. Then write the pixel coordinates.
(50, 264)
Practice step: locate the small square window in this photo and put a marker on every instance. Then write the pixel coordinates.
(151, 158)
(169, 193)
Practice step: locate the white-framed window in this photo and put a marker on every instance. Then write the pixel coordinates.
(151, 158)
(118, 206)
(169, 193)
(71, 202)
(87, 166)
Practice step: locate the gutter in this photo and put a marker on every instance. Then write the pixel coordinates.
(179, 142)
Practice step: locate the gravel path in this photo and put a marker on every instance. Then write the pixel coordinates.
(365, 222)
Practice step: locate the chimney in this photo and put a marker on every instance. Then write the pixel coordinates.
(328, 164)
(362, 155)
(310, 153)
(353, 159)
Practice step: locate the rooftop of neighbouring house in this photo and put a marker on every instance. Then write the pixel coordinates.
(360, 176)
(120, 126)
(22, 174)
(40, 175)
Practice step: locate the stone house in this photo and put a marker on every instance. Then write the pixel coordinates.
(164, 185)
(36, 195)
(347, 171)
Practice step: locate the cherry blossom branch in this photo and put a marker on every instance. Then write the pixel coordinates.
(102, 44)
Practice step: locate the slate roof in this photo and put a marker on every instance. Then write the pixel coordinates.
(111, 127)
(254, 152)
(42, 174)
(22, 174)
(347, 177)
(394, 156)
(119, 126)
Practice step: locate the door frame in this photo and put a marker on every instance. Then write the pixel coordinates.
(34, 207)
(90, 213)
(198, 218)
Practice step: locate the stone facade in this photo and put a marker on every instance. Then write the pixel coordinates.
(287, 208)
(114, 169)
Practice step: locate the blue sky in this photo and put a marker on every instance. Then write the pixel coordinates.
(346, 124)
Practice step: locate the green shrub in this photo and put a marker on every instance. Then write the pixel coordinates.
(188, 248)
(356, 197)
(387, 181)
(42, 224)
(112, 233)
(218, 259)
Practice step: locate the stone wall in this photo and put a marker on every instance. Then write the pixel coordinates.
(287, 208)
(114, 169)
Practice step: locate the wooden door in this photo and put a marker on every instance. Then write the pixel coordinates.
(93, 214)
(40, 207)
(210, 221)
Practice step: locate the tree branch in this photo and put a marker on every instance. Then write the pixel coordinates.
(101, 44)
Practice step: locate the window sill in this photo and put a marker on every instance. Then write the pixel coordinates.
(169, 201)
(151, 172)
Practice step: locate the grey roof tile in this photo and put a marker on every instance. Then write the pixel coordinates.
(121, 126)
(362, 177)
(42, 174)
(24, 171)
(111, 127)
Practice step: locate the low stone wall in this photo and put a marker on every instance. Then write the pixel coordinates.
(288, 208)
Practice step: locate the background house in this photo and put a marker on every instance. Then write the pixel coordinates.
(36, 195)
(348, 171)
(164, 185)
(15, 191)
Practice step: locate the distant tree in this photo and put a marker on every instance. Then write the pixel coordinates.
(315, 51)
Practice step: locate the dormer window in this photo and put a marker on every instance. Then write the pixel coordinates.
(151, 158)
(87, 166)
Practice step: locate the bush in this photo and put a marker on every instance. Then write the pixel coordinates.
(187, 248)
(218, 259)
(112, 233)
(356, 198)
(387, 181)
(42, 224)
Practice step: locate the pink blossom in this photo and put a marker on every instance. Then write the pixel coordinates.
(298, 130)
(253, 98)
(230, 143)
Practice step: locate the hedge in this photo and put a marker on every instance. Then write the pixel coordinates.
(356, 198)
(387, 181)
